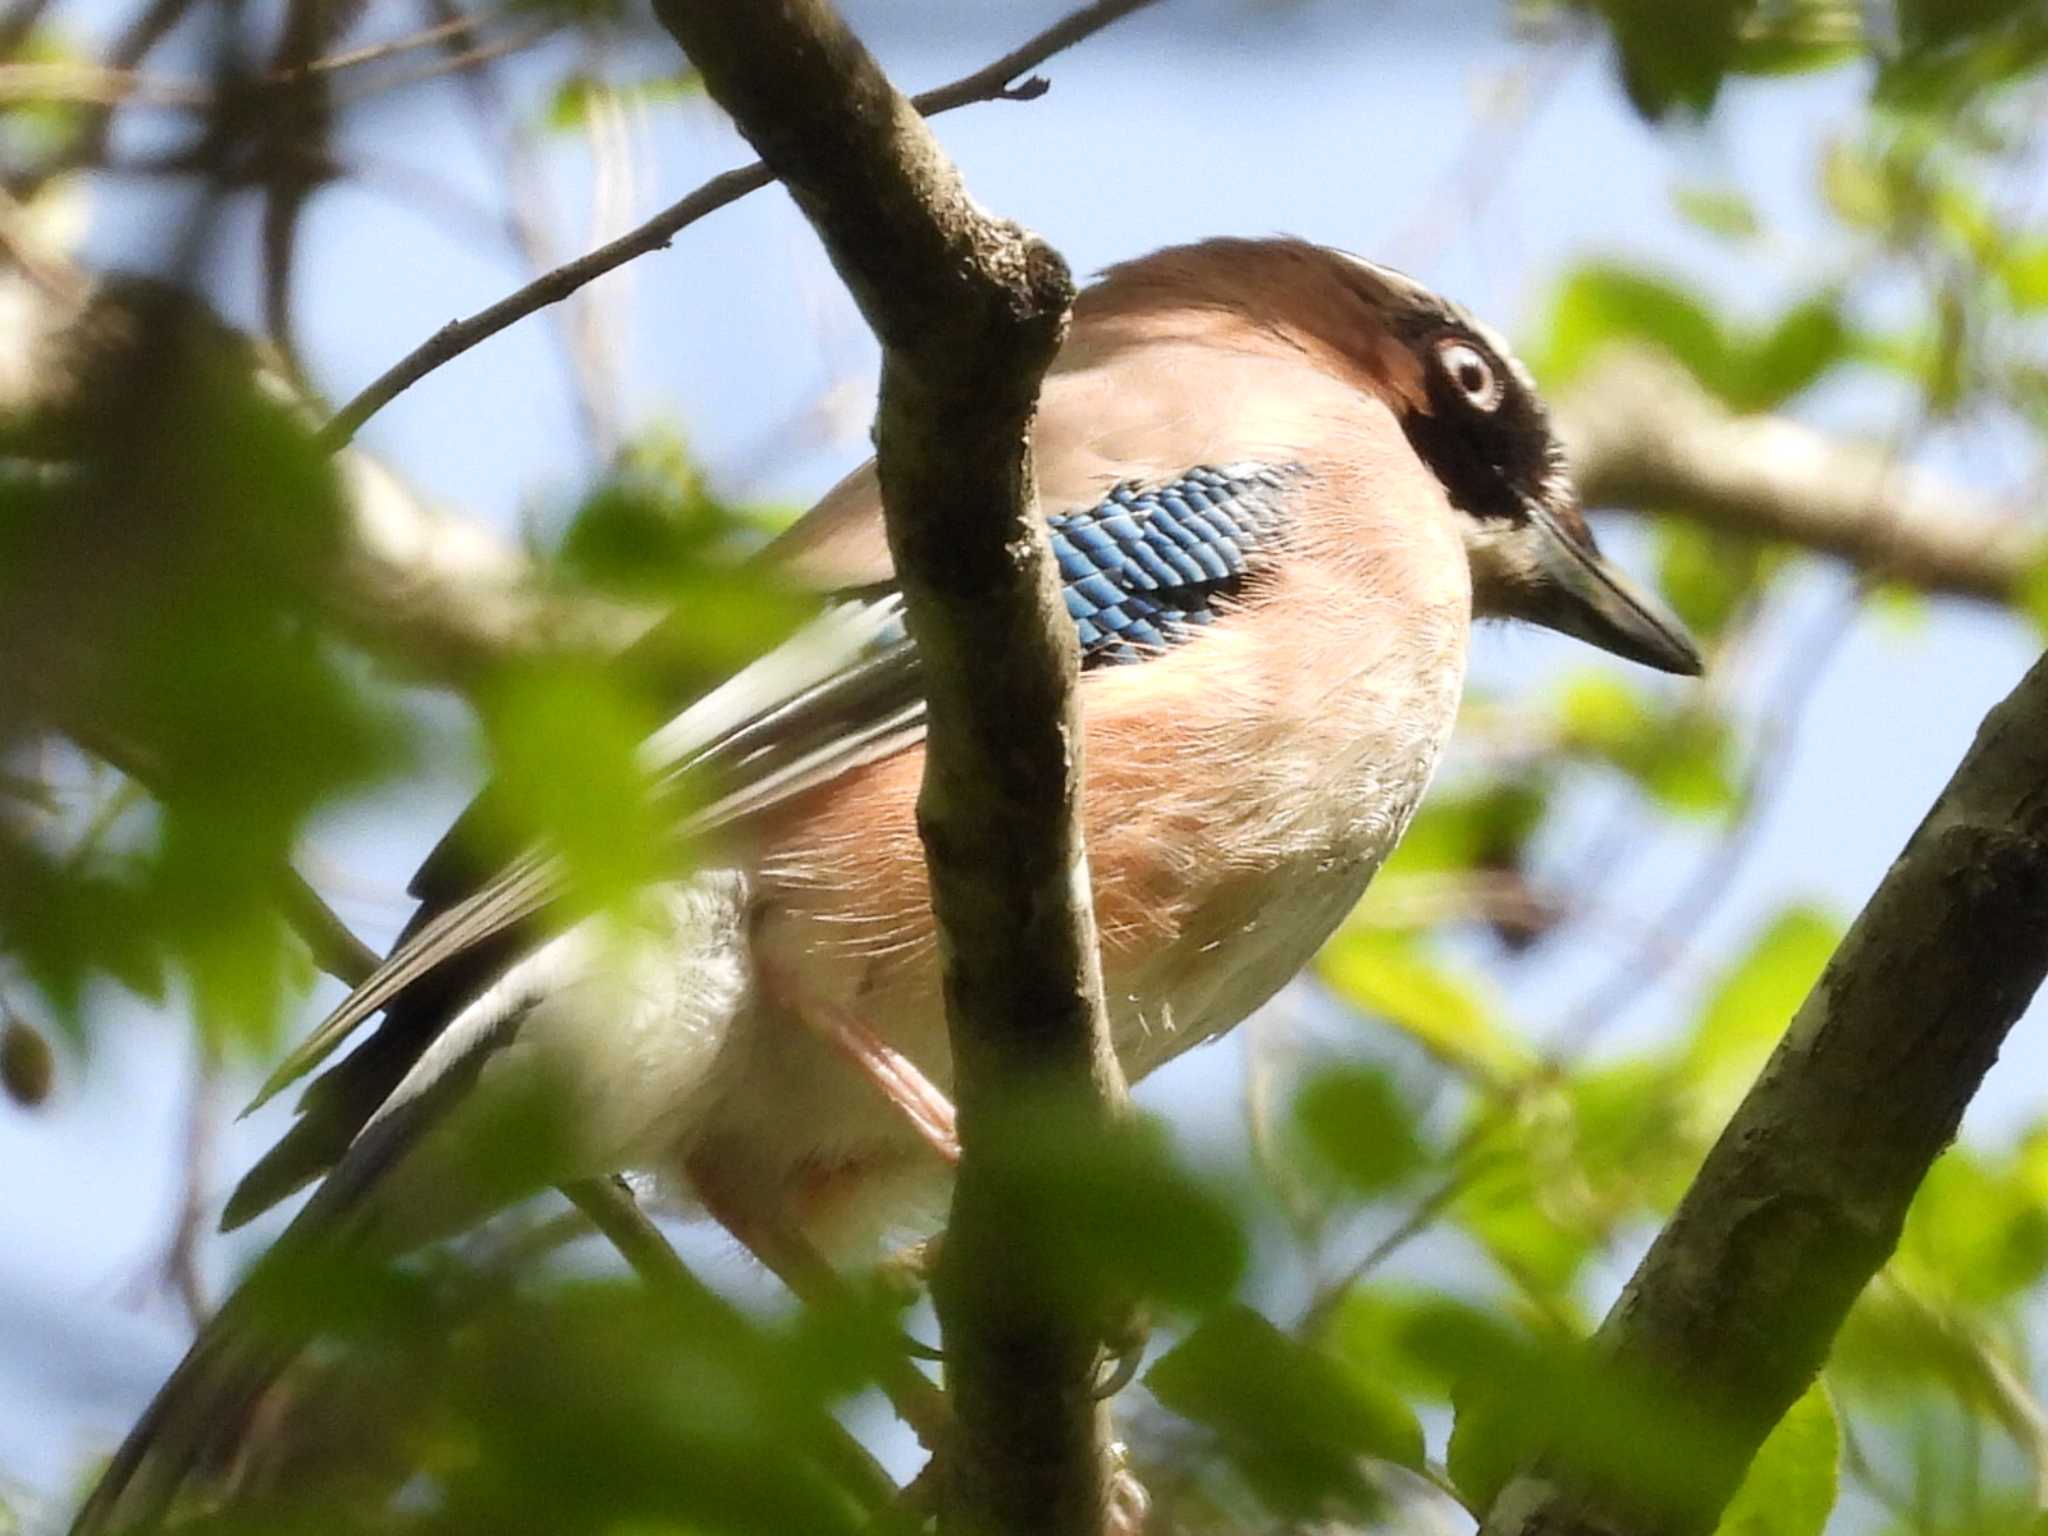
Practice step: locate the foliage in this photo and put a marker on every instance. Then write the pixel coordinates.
(1465, 1186)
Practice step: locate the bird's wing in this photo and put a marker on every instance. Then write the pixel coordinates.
(1142, 567)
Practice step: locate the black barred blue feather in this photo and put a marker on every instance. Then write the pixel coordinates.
(1148, 563)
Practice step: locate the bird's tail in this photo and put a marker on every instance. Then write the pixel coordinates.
(197, 1420)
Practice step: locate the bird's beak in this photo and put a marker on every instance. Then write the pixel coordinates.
(1589, 598)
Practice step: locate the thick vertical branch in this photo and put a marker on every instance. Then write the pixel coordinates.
(969, 310)
(1802, 1198)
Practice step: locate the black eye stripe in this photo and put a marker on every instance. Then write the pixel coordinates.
(1486, 438)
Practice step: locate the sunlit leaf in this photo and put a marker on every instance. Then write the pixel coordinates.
(1393, 978)
(1977, 1230)
(569, 108)
(1749, 1006)
(1601, 304)
(1719, 210)
(1682, 755)
(1790, 1487)
(564, 741)
(2022, 267)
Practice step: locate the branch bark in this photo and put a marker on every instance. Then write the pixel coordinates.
(1644, 437)
(969, 310)
(1732, 1311)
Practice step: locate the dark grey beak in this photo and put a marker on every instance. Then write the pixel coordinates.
(1591, 600)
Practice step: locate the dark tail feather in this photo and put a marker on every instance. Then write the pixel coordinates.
(196, 1418)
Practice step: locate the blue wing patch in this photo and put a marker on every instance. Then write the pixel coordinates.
(1146, 565)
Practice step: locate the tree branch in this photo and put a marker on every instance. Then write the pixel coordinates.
(1732, 1311)
(1644, 436)
(991, 83)
(969, 310)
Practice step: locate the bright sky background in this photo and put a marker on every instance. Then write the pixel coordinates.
(1361, 126)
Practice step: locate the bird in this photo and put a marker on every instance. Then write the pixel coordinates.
(1281, 483)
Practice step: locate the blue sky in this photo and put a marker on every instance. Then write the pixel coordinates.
(1351, 125)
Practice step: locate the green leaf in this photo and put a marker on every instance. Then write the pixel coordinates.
(1602, 304)
(1674, 53)
(1719, 210)
(1110, 1214)
(1391, 1335)
(1977, 1231)
(564, 740)
(1682, 756)
(1294, 1423)
(569, 108)
(1748, 1008)
(1393, 978)
(1491, 1437)
(1808, 340)
(1461, 831)
(1521, 1198)
(1709, 576)
(1857, 187)
(1360, 1128)
(2022, 267)
(1789, 1489)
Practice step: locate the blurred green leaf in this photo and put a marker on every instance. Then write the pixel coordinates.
(168, 593)
(1708, 576)
(1790, 1487)
(1602, 303)
(1296, 1425)
(1111, 1215)
(1391, 1335)
(1856, 188)
(1683, 755)
(1359, 1127)
(1457, 831)
(2022, 267)
(1719, 210)
(1392, 977)
(1748, 1007)
(1977, 1231)
(564, 739)
(1522, 1196)
(569, 108)
(1673, 55)
(1791, 354)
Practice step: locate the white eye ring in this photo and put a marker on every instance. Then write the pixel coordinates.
(1469, 373)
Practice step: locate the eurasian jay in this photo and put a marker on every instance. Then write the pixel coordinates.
(1281, 482)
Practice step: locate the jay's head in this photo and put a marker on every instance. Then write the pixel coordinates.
(1469, 410)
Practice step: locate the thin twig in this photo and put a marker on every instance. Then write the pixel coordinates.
(189, 1227)
(992, 83)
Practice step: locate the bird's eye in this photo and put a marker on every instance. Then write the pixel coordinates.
(1470, 374)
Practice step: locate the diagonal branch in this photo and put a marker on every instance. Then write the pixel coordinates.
(1732, 1311)
(991, 83)
(969, 310)
(1644, 436)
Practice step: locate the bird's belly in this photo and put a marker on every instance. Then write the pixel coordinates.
(1245, 942)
